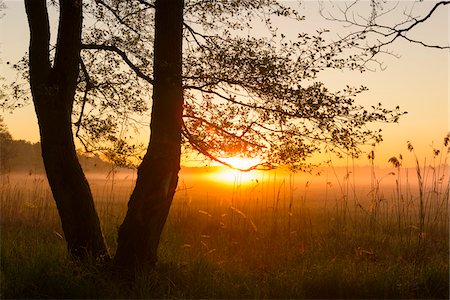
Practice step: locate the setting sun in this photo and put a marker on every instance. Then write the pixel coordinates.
(228, 175)
(241, 163)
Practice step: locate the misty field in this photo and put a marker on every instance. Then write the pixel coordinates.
(278, 235)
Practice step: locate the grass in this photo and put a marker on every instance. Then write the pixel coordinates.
(272, 239)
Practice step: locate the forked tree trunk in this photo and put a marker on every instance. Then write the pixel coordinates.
(53, 90)
(150, 202)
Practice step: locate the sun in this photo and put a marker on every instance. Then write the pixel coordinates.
(241, 163)
(227, 175)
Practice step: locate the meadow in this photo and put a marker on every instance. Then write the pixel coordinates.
(349, 233)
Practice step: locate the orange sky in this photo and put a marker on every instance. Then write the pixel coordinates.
(417, 81)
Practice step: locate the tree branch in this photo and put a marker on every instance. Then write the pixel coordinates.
(390, 33)
(202, 150)
(116, 15)
(225, 132)
(88, 87)
(146, 3)
(123, 55)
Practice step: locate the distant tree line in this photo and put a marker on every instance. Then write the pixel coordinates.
(24, 156)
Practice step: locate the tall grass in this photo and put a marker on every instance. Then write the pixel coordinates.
(285, 236)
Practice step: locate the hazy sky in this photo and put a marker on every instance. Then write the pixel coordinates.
(418, 81)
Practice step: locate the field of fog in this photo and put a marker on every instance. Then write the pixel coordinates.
(322, 188)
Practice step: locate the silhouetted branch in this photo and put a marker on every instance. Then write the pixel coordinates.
(197, 146)
(233, 100)
(225, 132)
(385, 34)
(86, 91)
(123, 55)
(146, 3)
(115, 13)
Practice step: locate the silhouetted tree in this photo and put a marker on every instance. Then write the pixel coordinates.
(158, 173)
(242, 95)
(53, 87)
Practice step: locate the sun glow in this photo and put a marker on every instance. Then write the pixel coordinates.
(241, 163)
(233, 175)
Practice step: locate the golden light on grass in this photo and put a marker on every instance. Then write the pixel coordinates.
(227, 175)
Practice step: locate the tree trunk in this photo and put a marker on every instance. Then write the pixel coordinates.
(53, 90)
(150, 202)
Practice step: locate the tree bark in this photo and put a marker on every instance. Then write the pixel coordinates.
(157, 180)
(53, 90)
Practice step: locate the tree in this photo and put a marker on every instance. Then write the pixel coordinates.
(214, 65)
(242, 95)
(158, 173)
(53, 88)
